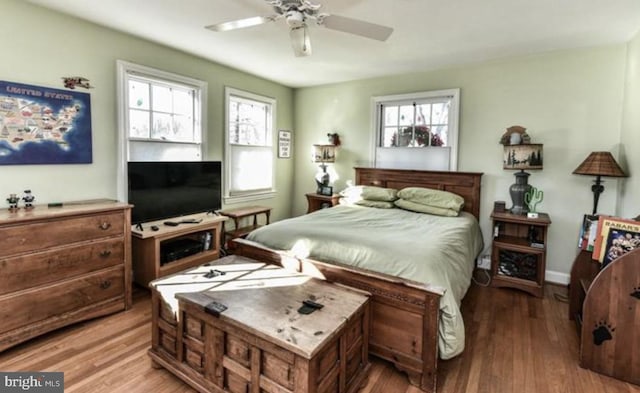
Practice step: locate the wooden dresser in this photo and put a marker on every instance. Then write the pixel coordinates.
(62, 265)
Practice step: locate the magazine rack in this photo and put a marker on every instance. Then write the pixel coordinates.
(606, 306)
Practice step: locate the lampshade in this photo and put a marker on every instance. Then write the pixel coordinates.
(600, 163)
(525, 156)
(324, 153)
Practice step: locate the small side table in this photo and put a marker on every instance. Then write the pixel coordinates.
(518, 259)
(317, 201)
(237, 215)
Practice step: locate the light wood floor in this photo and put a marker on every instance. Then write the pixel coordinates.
(515, 343)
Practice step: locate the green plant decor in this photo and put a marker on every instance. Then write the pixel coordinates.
(533, 197)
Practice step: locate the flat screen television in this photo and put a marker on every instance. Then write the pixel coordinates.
(166, 189)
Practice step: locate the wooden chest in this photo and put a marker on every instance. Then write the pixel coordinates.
(62, 265)
(260, 343)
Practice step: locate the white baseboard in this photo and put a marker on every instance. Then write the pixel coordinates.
(557, 277)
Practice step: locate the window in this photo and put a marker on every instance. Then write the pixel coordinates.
(249, 146)
(417, 131)
(160, 117)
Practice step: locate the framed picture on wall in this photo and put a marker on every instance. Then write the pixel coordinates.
(43, 125)
(284, 144)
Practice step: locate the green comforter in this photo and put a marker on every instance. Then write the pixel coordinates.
(424, 248)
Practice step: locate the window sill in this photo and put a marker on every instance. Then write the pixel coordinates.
(229, 200)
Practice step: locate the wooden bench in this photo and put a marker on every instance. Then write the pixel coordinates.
(237, 215)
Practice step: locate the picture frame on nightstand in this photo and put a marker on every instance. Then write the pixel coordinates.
(325, 190)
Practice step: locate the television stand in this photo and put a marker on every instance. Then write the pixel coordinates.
(170, 249)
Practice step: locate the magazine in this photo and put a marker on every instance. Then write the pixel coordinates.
(588, 232)
(625, 232)
(620, 242)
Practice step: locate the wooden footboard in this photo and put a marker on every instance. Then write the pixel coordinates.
(405, 314)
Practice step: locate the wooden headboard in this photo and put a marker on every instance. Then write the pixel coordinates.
(465, 184)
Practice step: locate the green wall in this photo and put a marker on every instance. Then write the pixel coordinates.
(570, 101)
(630, 187)
(573, 102)
(41, 46)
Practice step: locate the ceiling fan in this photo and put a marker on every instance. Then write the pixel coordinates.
(297, 13)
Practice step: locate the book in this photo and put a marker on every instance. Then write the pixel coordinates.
(588, 232)
(615, 235)
(601, 234)
(620, 242)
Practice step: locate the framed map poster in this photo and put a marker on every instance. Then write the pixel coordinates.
(42, 125)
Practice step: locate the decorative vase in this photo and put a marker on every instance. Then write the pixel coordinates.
(517, 192)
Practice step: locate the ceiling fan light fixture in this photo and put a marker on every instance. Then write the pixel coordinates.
(300, 41)
(295, 19)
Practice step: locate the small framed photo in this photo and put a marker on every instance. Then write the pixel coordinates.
(325, 190)
(284, 144)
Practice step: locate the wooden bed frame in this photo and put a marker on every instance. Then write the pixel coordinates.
(405, 314)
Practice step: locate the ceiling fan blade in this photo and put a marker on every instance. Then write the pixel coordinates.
(300, 41)
(242, 23)
(357, 27)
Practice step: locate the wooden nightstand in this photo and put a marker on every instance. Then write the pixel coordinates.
(317, 201)
(518, 258)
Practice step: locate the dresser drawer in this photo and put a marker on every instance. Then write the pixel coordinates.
(28, 271)
(29, 307)
(41, 235)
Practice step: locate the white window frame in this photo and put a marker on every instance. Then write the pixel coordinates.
(454, 116)
(124, 69)
(229, 196)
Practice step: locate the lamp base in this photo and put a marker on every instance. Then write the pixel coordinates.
(517, 192)
(597, 189)
(322, 178)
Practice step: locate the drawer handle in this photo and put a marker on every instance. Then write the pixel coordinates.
(105, 253)
(105, 284)
(105, 225)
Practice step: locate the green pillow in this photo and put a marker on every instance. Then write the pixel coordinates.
(371, 193)
(420, 208)
(431, 197)
(377, 204)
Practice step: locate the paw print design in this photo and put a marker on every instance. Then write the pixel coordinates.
(636, 292)
(602, 332)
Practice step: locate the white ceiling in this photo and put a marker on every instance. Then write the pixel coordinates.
(427, 34)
